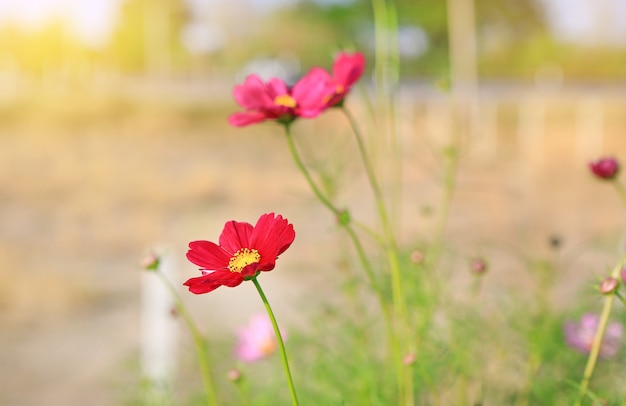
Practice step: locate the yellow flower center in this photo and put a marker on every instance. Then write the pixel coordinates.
(267, 346)
(285, 100)
(339, 89)
(242, 259)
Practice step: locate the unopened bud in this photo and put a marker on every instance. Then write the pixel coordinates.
(417, 257)
(609, 285)
(343, 217)
(150, 262)
(409, 359)
(478, 266)
(605, 168)
(234, 375)
(555, 242)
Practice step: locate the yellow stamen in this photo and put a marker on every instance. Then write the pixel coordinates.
(285, 100)
(242, 259)
(267, 346)
(339, 89)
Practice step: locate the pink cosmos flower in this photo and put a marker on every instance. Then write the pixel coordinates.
(605, 168)
(274, 100)
(347, 70)
(257, 340)
(579, 336)
(243, 252)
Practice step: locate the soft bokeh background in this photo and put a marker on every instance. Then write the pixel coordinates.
(114, 141)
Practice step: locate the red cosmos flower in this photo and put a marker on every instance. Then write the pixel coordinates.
(242, 253)
(275, 101)
(605, 168)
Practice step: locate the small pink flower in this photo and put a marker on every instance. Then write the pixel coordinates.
(478, 266)
(609, 285)
(579, 336)
(605, 168)
(257, 340)
(274, 100)
(347, 70)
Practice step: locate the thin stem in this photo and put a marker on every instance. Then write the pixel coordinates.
(391, 247)
(597, 340)
(327, 203)
(281, 344)
(318, 193)
(199, 343)
(449, 184)
(621, 191)
(358, 247)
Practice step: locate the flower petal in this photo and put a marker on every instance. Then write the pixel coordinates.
(312, 92)
(236, 235)
(276, 87)
(246, 118)
(253, 94)
(209, 282)
(348, 68)
(272, 235)
(208, 255)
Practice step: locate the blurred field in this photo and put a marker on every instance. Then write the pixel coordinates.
(89, 185)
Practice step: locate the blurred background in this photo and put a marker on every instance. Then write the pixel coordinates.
(114, 142)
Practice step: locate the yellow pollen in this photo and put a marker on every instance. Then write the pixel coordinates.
(339, 89)
(267, 346)
(242, 259)
(285, 100)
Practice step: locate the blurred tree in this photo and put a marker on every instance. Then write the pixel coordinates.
(350, 24)
(147, 37)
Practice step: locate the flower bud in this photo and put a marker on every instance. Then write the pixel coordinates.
(605, 168)
(478, 266)
(234, 375)
(609, 285)
(343, 218)
(409, 359)
(150, 262)
(555, 241)
(417, 257)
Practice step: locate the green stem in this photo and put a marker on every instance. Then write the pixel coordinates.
(620, 297)
(338, 213)
(367, 267)
(597, 340)
(281, 344)
(391, 247)
(620, 190)
(199, 343)
(449, 184)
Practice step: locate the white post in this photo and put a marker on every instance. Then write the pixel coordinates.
(486, 142)
(590, 129)
(531, 132)
(159, 329)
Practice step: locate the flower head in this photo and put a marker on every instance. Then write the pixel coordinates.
(605, 168)
(257, 340)
(580, 335)
(243, 251)
(478, 266)
(609, 285)
(150, 262)
(274, 100)
(347, 70)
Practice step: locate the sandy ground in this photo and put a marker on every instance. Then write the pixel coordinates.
(86, 195)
